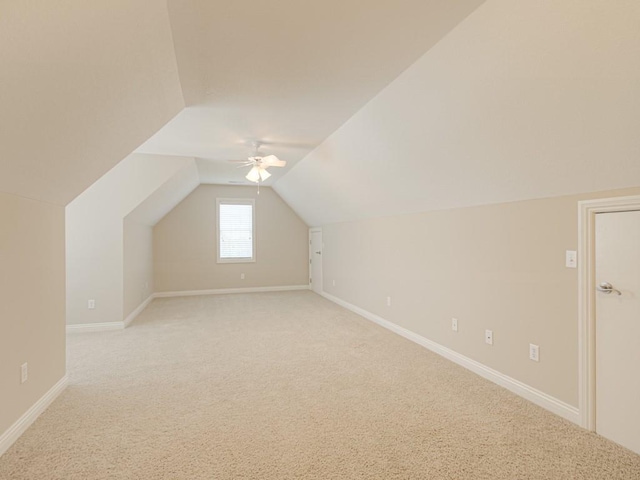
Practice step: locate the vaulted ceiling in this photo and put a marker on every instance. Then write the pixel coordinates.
(522, 100)
(379, 107)
(287, 72)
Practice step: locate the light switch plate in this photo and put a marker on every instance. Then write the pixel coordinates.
(571, 259)
(454, 324)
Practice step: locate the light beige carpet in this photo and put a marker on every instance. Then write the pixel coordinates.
(288, 385)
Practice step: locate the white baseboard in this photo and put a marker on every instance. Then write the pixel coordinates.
(95, 327)
(534, 395)
(108, 326)
(9, 437)
(221, 291)
(132, 316)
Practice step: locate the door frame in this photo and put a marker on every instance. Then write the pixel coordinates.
(311, 232)
(587, 210)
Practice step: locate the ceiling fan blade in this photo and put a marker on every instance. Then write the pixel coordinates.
(273, 161)
(240, 161)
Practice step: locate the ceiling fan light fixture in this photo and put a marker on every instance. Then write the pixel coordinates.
(264, 174)
(253, 175)
(258, 172)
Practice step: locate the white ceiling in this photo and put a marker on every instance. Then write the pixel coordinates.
(512, 100)
(287, 72)
(522, 100)
(166, 197)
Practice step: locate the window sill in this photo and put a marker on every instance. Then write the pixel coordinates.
(236, 260)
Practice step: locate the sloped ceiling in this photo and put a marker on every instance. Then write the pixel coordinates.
(82, 84)
(511, 100)
(521, 100)
(166, 197)
(287, 72)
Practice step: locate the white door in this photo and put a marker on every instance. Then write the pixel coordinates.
(617, 279)
(315, 257)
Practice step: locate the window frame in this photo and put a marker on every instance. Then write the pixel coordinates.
(236, 201)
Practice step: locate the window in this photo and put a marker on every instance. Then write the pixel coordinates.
(236, 238)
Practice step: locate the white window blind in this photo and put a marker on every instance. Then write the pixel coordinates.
(235, 229)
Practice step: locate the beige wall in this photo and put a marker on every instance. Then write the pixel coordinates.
(32, 305)
(83, 84)
(94, 233)
(184, 244)
(498, 267)
(137, 264)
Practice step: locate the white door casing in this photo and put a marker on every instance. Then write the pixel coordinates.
(315, 259)
(587, 212)
(617, 283)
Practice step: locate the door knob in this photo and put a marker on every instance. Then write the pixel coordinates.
(319, 252)
(606, 287)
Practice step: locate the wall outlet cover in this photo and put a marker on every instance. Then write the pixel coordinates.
(534, 352)
(24, 372)
(488, 337)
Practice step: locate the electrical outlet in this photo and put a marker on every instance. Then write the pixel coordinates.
(534, 352)
(91, 304)
(24, 372)
(571, 259)
(388, 301)
(454, 324)
(488, 336)
(333, 283)
(242, 276)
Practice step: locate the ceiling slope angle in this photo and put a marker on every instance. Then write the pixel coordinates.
(522, 100)
(82, 85)
(286, 73)
(164, 199)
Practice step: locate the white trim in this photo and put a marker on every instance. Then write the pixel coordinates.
(95, 327)
(313, 230)
(132, 316)
(587, 211)
(534, 395)
(236, 201)
(110, 326)
(222, 291)
(12, 434)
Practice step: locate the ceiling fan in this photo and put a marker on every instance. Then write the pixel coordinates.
(259, 165)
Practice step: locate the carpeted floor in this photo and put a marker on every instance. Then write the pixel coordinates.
(288, 385)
